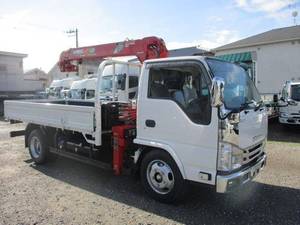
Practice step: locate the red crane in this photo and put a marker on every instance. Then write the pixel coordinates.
(146, 48)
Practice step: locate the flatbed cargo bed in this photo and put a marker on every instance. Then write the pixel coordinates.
(71, 115)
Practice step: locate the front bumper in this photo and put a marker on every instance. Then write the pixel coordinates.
(230, 182)
(289, 120)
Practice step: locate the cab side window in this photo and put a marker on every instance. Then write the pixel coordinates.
(133, 81)
(90, 94)
(185, 85)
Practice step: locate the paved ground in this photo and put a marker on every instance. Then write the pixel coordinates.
(67, 192)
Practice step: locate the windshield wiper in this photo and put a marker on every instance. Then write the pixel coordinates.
(246, 104)
(258, 105)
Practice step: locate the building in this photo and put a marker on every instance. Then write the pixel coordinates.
(273, 57)
(13, 84)
(37, 74)
(12, 75)
(55, 73)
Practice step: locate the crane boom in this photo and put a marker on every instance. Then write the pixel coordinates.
(146, 48)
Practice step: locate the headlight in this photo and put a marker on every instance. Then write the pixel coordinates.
(230, 157)
(284, 114)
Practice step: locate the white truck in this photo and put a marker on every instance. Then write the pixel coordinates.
(196, 119)
(290, 103)
(126, 84)
(59, 88)
(83, 89)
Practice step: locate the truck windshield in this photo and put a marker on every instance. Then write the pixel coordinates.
(239, 90)
(107, 83)
(295, 92)
(76, 94)
(55, 91)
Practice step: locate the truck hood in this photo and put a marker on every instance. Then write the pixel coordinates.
(253, 127)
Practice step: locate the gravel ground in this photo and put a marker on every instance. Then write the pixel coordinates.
(67, 192)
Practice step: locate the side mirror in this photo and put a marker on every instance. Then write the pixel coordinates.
(217, 92)
(121, 82)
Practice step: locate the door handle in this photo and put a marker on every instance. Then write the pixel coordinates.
(150, 123)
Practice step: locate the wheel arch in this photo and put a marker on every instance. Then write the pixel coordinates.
(30, 127)
(146, 147)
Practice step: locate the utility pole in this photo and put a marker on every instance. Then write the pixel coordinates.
(294, 15)
(74, 31)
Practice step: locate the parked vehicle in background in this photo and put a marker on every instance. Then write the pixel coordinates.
(164, 136)
(59, 88)
(126, 85)
(290, 103)
(83, 89)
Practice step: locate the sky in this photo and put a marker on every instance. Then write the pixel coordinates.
(38, 28)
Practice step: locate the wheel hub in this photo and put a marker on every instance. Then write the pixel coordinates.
(35, 147)
(160, 176)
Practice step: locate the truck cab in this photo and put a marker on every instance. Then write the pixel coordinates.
(59, 89)
(206, 114)
(290, 103)
(83, 89)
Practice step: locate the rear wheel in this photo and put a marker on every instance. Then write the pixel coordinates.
(37, 146)
(161, 177)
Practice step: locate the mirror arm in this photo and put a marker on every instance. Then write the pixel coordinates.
(220, 116)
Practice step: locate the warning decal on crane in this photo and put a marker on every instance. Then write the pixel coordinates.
(119, 47)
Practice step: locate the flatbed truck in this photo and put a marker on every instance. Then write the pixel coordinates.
(195, 119)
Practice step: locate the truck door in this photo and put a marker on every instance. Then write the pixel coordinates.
(174, 110)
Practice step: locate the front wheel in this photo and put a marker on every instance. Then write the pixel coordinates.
(161, 177)
(37, 146)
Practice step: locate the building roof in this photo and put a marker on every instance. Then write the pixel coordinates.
(268, 37)
(186, 51)
(21, 55)
(35, 71)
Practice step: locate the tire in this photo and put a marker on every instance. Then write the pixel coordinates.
(37, 146)
(161, 178)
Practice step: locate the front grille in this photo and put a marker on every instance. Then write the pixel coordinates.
(295, 115)
(252, 153)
